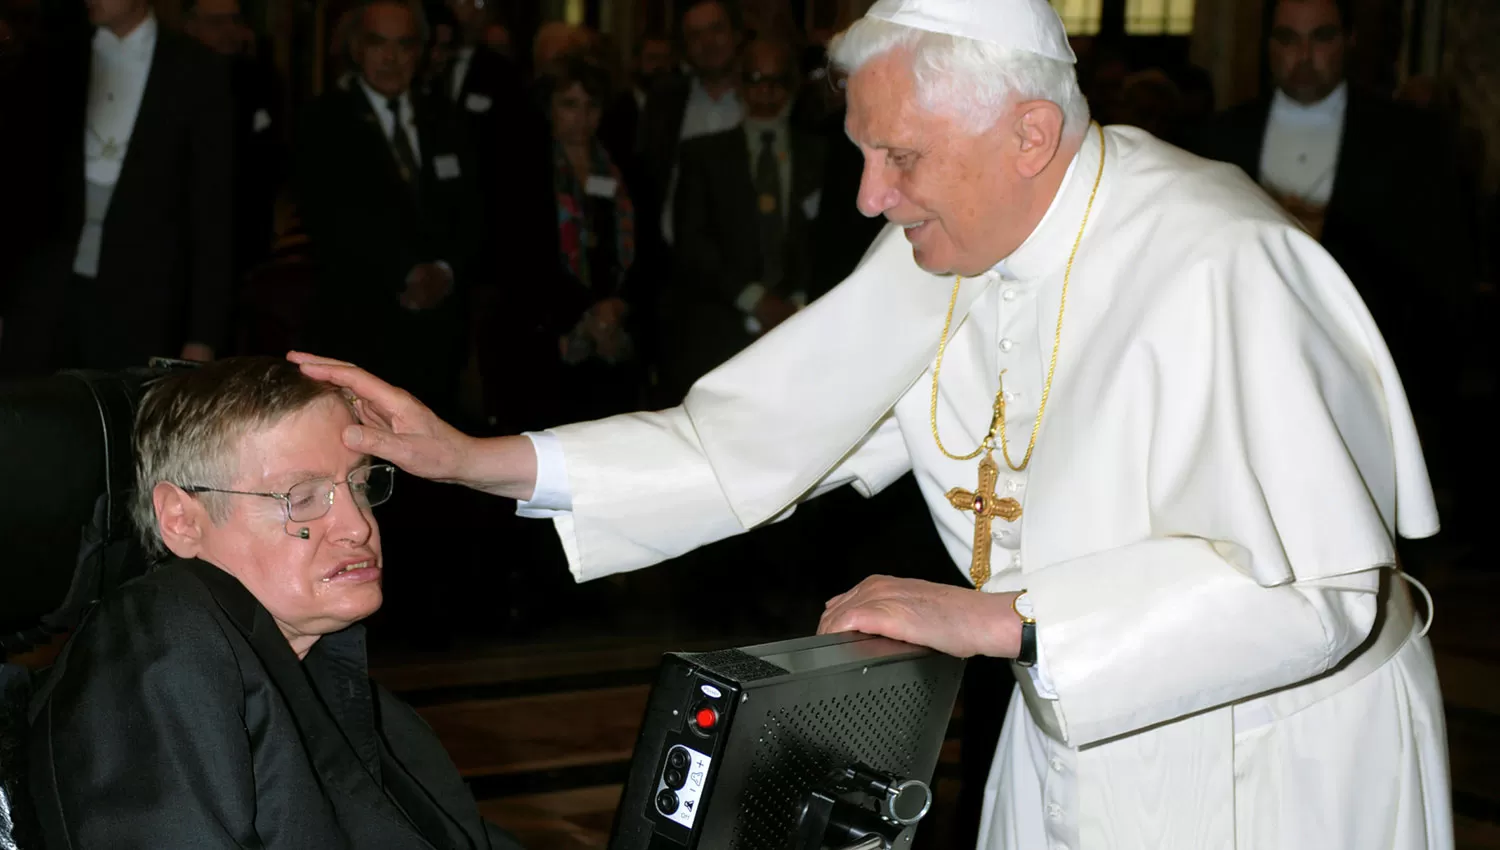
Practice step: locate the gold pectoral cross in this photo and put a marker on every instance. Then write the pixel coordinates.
(985, 505)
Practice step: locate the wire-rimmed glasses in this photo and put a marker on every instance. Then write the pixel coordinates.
(305, 501)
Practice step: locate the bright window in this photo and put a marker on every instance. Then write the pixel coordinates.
(1159, 17)
(1080, 17)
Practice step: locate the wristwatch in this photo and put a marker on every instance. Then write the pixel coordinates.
(1022, 606)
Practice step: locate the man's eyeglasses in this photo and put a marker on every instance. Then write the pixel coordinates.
(313, 499)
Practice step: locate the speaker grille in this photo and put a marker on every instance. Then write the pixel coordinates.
(737, 665)
(799, 745)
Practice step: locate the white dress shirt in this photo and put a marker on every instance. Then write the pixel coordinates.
(461, 61)
(117, 83)
(706, 114)
(388, 119)
(1300, 154)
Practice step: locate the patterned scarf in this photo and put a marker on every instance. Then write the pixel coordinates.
(573, 226)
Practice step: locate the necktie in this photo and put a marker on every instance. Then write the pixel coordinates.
(406, 159)
(768, 187)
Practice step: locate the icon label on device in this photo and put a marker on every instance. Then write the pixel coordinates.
(690, 796)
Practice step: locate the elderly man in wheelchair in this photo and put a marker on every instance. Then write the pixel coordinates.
(222, 699)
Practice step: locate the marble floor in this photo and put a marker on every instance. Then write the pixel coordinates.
(543, 727)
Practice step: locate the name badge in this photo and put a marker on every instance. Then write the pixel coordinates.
(811, 203)
(599, 186)
(260, 121)
(445, 166)
(476, 102)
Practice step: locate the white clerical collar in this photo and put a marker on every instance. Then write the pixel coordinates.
(1047, 246)
(137, 44)
(1329, 110)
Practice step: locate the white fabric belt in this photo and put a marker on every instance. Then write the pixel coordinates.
(1394, 628)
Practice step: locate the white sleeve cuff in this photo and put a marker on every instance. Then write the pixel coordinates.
(749, 298)
(1039, 677)
(551, 497)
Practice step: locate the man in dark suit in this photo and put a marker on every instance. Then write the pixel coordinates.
(224, 698)
(259, 149)
(1363, 174)
(744, 204)
(134, 258)
(621, 129)
(705, 101)
(388, 197)
(487, 87)
(1377, 183)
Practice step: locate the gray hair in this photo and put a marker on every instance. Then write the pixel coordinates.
(970, 80)
(356, 22)
(190, 423)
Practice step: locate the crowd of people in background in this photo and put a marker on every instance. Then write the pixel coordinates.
(524, 237)
(529, 230)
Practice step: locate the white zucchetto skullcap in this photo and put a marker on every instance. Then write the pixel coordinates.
(1029, 25)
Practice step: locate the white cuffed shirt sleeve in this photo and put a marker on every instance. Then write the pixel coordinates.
(551, 498)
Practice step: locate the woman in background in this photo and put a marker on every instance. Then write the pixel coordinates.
(563, 345)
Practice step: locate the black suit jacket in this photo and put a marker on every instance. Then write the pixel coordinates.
(369, 228)
(1401, 232)
(491, 76)
(260, 159)
(841, 232)
(666, 104)
(620, 129)
(717, 224)
(504, 126)
(496, 108)
(179, 717)
(166, 263)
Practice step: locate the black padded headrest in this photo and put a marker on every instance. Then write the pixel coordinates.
(66, 473)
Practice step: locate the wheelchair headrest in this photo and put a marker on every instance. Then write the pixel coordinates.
(66, 473)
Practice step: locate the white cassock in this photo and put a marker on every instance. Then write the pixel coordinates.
(1225, 460)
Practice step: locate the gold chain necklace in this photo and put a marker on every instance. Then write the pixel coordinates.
(997, 423)
(982, 502)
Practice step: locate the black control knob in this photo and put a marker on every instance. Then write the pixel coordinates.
(666, 801)
(674, 778)
(679, 759)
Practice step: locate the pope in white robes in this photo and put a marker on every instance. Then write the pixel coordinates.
(1202, 453)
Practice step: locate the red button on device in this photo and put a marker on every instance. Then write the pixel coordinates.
(706, 718)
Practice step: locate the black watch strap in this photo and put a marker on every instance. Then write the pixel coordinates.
(1027, 656)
